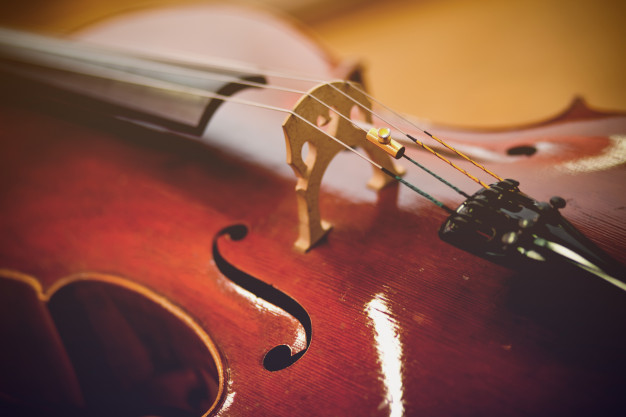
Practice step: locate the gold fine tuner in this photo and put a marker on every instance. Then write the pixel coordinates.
(382, 138)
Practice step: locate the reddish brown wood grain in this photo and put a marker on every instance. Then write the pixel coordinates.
(146, 207)
(82, 193)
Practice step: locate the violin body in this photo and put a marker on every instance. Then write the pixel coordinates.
(401, 323)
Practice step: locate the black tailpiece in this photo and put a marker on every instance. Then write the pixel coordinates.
(508, 227)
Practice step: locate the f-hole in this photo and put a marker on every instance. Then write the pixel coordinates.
(281, 356)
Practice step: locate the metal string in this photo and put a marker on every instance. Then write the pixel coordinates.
(285, 75)
(48, 49)
(136, 79)
(414, 162)
(239, 81)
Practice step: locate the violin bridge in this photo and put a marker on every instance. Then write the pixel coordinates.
(300, 129)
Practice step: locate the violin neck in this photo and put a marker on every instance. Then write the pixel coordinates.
(171, 95)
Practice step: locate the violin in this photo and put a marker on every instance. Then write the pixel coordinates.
(187, 230)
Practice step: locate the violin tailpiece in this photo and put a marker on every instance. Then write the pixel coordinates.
(506, 226)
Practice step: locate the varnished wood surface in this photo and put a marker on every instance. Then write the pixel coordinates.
(83, 193)
(475, 338)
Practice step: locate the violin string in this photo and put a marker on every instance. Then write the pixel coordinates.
(48, 52)
(239, 81)
(236, 80)
(413, 139)
(417, 142)
(417, 190)
(443, 143)
(52, 54)
(449, 162)
(52, 49)
(285, 75)
(313, 125)
(144, 81)
(256, 84)
(121, 76)
(414, 162)
(359, 104)
(96, 69)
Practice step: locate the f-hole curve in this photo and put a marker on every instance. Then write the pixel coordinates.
(279, 357)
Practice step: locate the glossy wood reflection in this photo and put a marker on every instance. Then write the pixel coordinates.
(402, 324)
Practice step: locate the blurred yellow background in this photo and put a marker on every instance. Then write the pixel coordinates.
(481, 63)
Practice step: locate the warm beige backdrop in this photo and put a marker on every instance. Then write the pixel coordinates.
(489, 61)
(464, 62)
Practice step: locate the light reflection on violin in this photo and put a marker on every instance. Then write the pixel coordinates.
(389, 346)
(162, 201)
